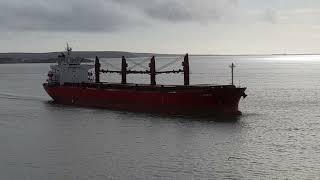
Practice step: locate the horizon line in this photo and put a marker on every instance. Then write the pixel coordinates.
(173, 54)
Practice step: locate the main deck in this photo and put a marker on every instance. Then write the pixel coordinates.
(147, 87)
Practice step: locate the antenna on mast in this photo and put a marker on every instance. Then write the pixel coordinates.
(232, 66)
(68, 49)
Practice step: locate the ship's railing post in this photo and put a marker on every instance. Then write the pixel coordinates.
(152, 66)
(124, 66)
(186, 70)
(97, 66)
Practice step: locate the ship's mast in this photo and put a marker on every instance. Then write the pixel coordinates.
(232, 66)
(186, 70)
(153, 72)
(124, 70)
(68, 49)
(97, 66)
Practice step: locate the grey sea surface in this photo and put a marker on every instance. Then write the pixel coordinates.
(277, 137)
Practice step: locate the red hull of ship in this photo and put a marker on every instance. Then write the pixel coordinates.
(199, 101)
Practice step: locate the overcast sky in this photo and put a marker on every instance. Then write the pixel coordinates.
(161, 26)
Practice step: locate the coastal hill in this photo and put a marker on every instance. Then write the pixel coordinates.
(7, 58)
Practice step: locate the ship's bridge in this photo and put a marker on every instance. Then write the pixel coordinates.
(70, 70)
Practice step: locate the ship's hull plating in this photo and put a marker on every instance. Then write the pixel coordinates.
(201, 101)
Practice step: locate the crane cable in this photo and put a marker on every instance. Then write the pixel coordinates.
(111, 65)
(138, 64)
(144, 61)
(170, 63)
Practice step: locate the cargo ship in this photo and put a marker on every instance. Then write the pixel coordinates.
(72, 82)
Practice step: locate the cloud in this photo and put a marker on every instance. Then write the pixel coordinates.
(184, 10)
(106, 15)
(115, 15)
(299, 15)
(60, 15)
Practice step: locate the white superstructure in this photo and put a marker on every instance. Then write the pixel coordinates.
(70, 70)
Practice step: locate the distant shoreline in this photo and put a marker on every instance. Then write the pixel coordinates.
(17, 61)
(51, 57)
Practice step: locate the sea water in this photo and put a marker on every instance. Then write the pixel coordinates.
(277, 136)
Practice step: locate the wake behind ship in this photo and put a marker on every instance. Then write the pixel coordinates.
(70, 82)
